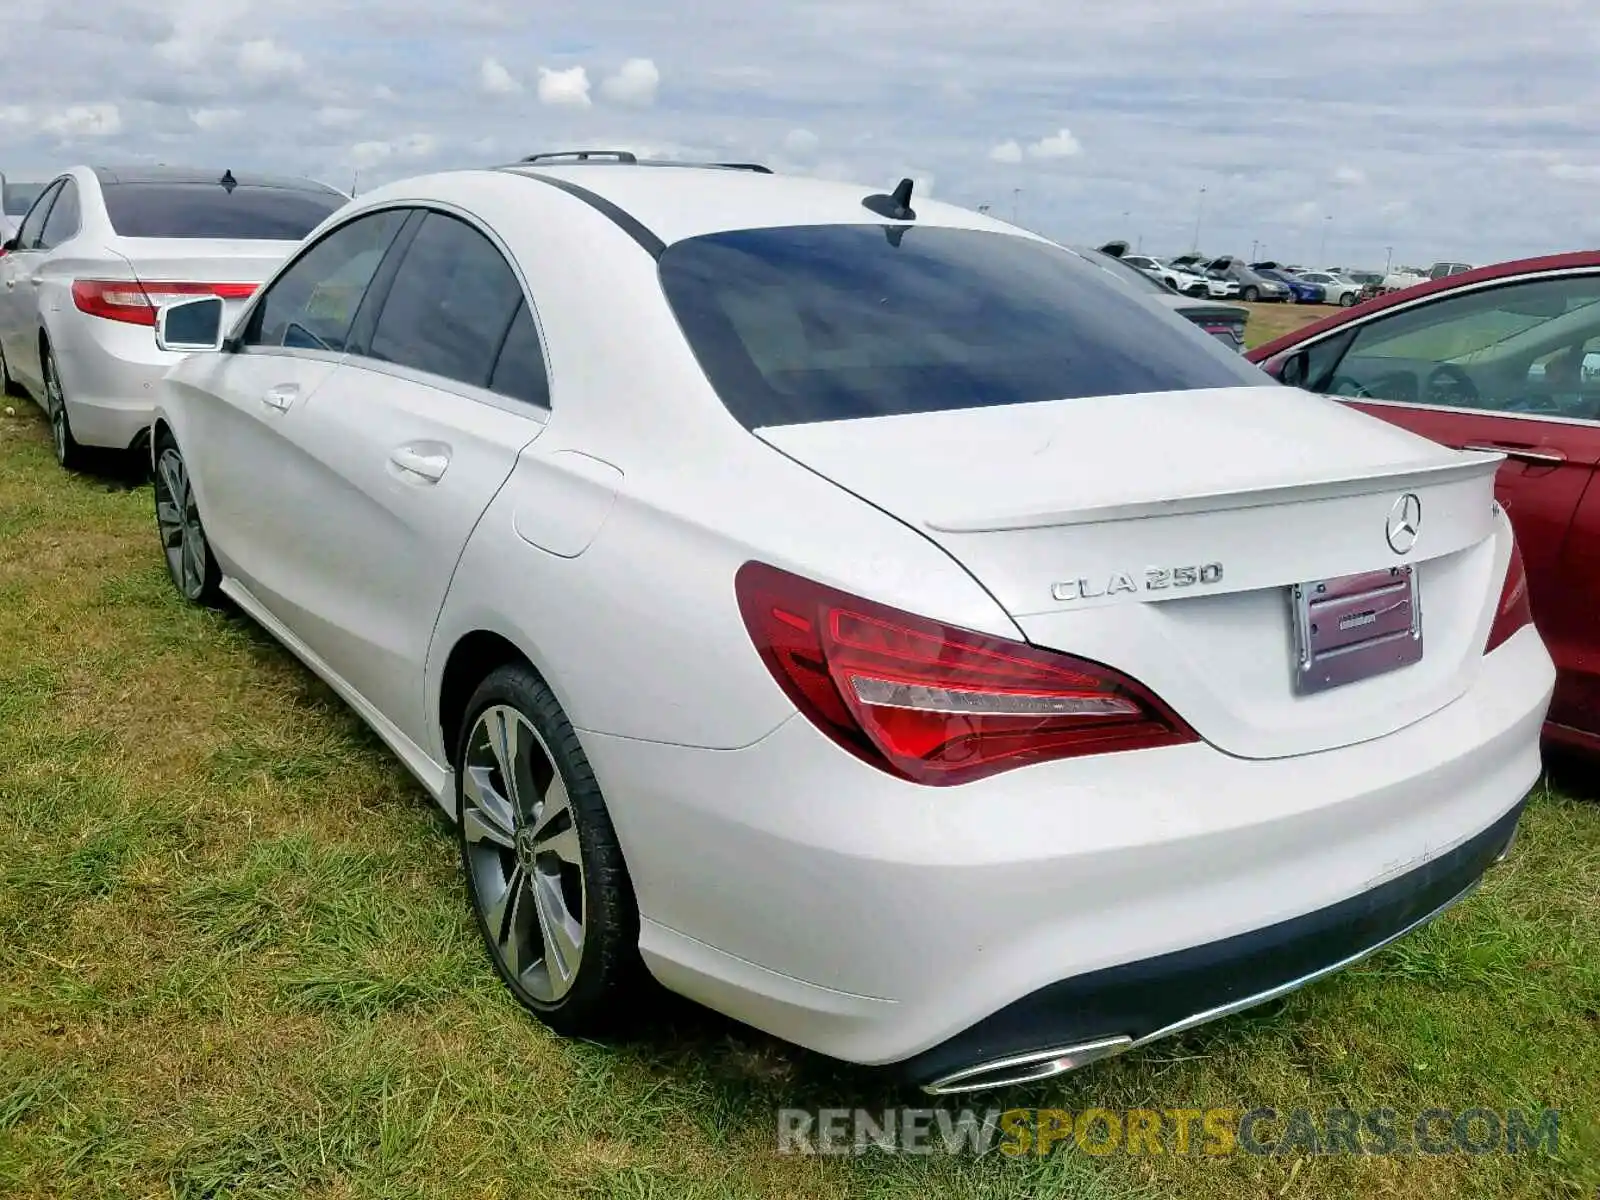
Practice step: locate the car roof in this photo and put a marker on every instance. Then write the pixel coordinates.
(1450, 283)
(678, 204)
(142, 174)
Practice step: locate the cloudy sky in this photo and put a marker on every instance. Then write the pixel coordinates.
(1460, 129)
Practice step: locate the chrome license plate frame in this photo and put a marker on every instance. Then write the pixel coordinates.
(1355, 627)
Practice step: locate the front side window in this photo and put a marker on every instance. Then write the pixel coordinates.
(450, 306)
(33, 223)
(1515, 348)
(830, 322)
(312, 305)
(245, 212)
(63, 220)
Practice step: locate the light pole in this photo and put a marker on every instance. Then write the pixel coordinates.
(1253, 245)
(1322, 252)
(1199, 210)
(1016, 202)
(1388, 258)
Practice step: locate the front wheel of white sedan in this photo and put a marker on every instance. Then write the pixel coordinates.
(544, 871)
(193, 570)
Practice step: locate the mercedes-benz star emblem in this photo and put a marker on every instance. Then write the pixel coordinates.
(1405, 521)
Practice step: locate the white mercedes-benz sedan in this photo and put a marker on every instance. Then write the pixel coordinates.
(862, 616)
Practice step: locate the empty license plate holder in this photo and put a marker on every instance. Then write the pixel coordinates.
(1354, 627)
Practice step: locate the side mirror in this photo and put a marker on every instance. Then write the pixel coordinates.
(1293, 370)
(190, 325)
(9, 245)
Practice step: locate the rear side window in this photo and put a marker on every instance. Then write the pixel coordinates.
(450, 306)
(830, 322)
(519, 371)
(64, 217)
(209, 210)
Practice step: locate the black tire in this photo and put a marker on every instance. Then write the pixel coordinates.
(602, 989)
(8, 386)
(190, 564)
(1347, 300)
(1250, 295)
(69, 454)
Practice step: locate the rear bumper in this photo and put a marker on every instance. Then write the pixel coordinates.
(1121, 1008)
(109, 374)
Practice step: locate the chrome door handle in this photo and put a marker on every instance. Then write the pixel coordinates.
(1543, 458)
(280, 397)
(429, 466)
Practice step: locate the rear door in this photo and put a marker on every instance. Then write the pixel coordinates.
(382, 474)
(1488, 369)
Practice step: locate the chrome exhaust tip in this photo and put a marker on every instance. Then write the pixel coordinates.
(1026, 1068)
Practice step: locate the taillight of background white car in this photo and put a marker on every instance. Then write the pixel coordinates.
(136, 303)
(933, 704)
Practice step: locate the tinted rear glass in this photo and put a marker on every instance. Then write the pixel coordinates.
(19, 197)
(831, 322)
(209, 210)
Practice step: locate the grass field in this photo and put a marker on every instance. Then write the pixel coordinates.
(1268, 321)
(235, 959)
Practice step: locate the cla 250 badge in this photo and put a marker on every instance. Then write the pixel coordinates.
(1156, 579)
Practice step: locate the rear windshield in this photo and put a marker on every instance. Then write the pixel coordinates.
(19, 197)
(831, 322)
(209, 210)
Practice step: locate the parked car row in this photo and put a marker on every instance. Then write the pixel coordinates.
(752, 569)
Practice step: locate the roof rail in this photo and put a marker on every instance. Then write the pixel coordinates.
(621, 156)
(756, 167)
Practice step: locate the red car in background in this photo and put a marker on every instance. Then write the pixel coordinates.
(1503, 358)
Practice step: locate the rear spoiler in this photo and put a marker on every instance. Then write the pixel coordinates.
(1465, 465)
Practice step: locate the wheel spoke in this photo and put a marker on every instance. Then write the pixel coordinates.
(486, 817)
(503, 739)
(554, 811)
(562, 936)
(564, 845)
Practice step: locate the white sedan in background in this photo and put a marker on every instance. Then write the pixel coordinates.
(99, 251)
(870, 619)
(1336, 289)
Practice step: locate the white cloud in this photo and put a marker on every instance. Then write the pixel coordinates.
(496, 80)
(384, 92)
(337, 117)
(1008, 151)
(263, 58)
(1575, 172)
(567, 89)
(15, 114)
(801, 143)
(370, 154)
(84, 120)
(1305, 212)
(635, 82)
(1060, 144)
(417, 145)
(1350, 177)
(213, 119)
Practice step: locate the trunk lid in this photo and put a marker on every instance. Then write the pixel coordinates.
(1163, 535)
(204, 260)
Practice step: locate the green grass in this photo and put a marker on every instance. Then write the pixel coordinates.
(235, 959)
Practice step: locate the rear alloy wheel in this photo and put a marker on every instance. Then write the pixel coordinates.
(1347, 299)
(1250, 294)
(68, 453)
(183, 539)
(544, 871)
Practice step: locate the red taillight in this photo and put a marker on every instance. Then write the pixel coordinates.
(130, 301)
(931, 703)
(1513, 611)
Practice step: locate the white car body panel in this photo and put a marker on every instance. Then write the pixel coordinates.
(601, 539)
